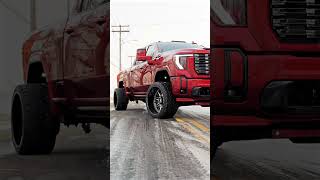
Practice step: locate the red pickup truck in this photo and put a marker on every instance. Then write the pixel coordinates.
(166, 75)
(265, 70)
(66, 74)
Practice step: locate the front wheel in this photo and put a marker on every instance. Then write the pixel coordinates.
(160, 101)
(216, 142)
(34, 129)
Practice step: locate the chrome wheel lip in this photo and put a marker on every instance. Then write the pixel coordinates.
(158, 101)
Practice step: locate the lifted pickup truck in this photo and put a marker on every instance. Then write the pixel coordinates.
(66, 74)
(166, 75)
(266, 70)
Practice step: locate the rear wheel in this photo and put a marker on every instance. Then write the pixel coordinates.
(160, 101)
(120, 99)
(216, 142)
(215, 145)
(33, 129)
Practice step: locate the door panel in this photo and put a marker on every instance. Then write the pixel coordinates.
(146, 77)
(137, 77)
(86, 57)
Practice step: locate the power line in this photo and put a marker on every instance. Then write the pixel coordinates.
(15, 12)
(120, 31)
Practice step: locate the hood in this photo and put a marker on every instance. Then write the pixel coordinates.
(187, 51)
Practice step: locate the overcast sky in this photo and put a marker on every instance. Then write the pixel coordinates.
(14, 17)
(149, 20)
(156, 20)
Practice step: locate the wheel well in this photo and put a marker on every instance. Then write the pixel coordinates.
(121, 84)
(36, 73)
(162, 76)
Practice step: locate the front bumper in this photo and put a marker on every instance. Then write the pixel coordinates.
(262, 71)
(233, 127)
(191, 91)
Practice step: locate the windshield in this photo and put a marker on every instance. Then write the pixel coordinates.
(163, 47)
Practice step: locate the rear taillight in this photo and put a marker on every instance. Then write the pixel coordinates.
(229, 12)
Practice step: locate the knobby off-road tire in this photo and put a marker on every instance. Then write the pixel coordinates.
(120, 99)
(169, 105)
(216, 142)
(214, 147)
(34, 130)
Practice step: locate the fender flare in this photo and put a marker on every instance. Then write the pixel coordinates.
(159, 70)
(37, 58)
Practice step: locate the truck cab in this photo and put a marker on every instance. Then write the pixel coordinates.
(66, 78)
(174, 73)
(265, 74)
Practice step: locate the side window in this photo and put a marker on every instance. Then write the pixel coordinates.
(76, 6)
(97, 3)
(85, 5)
(156, 51)
(151, 50)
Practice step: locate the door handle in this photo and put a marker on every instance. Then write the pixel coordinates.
(101, 21)
(69, 30)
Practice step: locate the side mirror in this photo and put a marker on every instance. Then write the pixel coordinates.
(144, 58)
(141, 55)
(150, 61)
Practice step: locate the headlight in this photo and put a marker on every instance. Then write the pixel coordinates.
(229, 12)
(181, 60)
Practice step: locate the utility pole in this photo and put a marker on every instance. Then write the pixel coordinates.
(33, 15)
(120, 31)
(131, 57)
(69, 7)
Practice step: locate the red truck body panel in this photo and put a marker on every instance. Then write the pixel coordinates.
(264, 58)
(140, 77)
(74, 56)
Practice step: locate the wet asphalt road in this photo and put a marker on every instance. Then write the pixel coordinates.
(267, 160)
(146, 148)
(77, 156)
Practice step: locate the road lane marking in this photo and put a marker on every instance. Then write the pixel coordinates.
(199, 125)
(196, 124)
(192, 131)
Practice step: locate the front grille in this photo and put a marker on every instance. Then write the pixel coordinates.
(296, 21)
(202, 64)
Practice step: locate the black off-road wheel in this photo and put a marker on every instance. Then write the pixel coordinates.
(214, 146)
(120, 99)
(33, 128)
(160, 101)
(216, 142)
